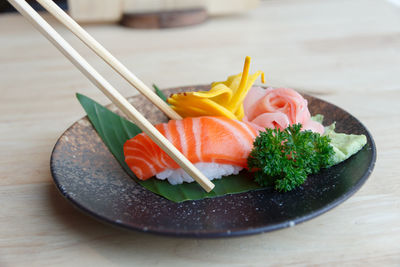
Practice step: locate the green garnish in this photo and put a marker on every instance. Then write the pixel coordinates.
(285, 158)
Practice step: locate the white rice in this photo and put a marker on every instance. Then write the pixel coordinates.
(210, 170)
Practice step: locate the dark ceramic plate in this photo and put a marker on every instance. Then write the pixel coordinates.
(87, 174)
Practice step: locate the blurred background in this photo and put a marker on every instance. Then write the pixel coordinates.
(6, 7)
(86, 11)
(317, 46)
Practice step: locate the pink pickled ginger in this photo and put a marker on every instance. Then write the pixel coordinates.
(278, 107)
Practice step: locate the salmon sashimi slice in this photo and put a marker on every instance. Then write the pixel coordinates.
(278, 108)
(207, 139)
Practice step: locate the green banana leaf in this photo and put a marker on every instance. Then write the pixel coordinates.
(115, 131)
(160, 93)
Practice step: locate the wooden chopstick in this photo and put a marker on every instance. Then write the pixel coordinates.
(29, 13)
(76, 29)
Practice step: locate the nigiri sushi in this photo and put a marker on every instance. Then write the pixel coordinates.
(218, 146)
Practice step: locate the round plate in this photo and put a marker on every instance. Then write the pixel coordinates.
(87, 174)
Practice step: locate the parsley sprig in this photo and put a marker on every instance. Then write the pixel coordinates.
(285, 158)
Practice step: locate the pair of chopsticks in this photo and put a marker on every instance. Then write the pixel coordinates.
(36, 20)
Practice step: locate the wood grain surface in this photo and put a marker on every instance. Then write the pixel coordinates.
(345, 52)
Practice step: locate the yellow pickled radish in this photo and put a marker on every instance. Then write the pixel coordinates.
(223, 99)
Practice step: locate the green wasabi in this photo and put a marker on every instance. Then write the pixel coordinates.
(344, 145)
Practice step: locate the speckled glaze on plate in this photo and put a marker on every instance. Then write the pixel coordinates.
(88, 175)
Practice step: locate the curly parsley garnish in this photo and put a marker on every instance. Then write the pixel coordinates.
(285, 158)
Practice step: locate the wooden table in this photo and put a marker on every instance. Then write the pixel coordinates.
(346, 52)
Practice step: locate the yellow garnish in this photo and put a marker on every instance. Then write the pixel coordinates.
(223, 99)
